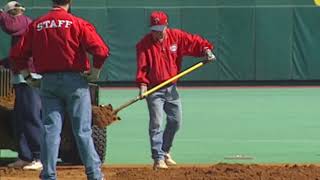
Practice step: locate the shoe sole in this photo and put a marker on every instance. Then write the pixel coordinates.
(170, 164)
(32, 169)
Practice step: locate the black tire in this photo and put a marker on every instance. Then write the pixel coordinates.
(68, 149)
(99, 136)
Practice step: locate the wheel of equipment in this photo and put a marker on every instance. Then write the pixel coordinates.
(68, 152)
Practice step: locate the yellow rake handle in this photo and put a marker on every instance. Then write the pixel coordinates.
(187, 71)
(152, 90)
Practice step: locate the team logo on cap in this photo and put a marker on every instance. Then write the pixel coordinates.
(173, 48)
(156, 21)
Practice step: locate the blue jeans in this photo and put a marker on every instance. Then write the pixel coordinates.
(165, 100)
(67, 92)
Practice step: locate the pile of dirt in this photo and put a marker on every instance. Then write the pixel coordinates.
(7, 102)
(184, 172)
(101, 115)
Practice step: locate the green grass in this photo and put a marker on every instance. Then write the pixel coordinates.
(277, 125)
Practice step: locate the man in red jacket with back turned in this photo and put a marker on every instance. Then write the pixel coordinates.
(159, 57)
(58, 42)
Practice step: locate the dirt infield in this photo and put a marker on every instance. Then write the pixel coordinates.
(184, 172)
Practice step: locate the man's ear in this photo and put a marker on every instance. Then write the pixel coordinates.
(69, 10)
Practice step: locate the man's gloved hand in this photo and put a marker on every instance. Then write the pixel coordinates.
(93, 75)
(143, 89)
(32, 82)
(25, 73)
(209, 55)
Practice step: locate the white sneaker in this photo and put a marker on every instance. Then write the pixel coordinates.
(159, 164)
(34, 165)
(169, 161)
(18, 164)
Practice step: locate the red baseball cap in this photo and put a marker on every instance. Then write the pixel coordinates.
(158, 20)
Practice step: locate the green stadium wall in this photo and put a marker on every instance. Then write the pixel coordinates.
(255, 40)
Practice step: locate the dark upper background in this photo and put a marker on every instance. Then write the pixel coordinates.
(255, 40)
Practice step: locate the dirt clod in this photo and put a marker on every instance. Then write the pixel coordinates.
(7, 102)
(103, 115)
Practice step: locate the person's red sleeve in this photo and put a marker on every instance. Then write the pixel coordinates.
(192, 44)
(21, 52)
(142, 67)
(94, 44)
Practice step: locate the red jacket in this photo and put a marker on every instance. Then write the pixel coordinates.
(58, 42)
(14, 25)
(159, 61)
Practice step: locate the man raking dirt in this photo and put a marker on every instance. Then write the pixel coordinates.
(159, 59)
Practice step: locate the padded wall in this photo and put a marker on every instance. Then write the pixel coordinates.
(254, 39)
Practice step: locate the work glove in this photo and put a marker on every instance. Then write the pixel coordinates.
(93, 75)
(33, 80)
(209, 56)
(143, 89)
(28, 78)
